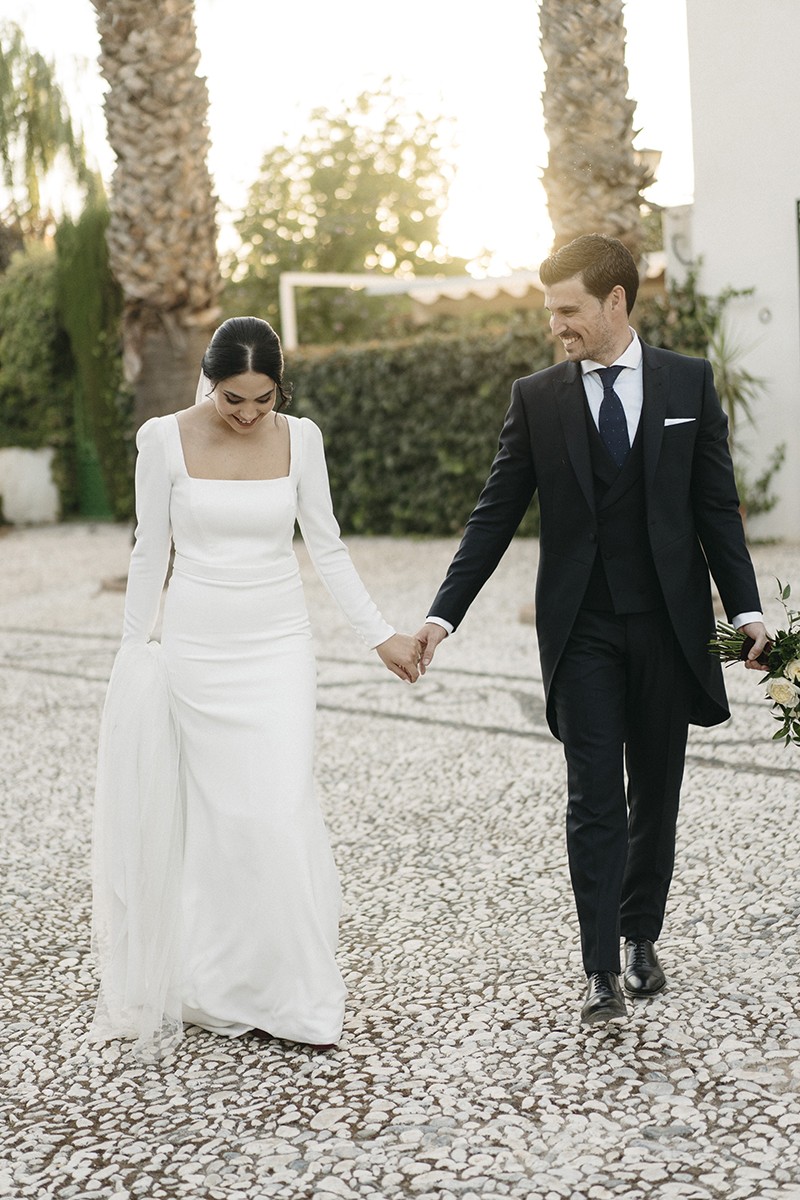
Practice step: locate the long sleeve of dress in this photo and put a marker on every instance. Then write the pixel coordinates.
(328, 552)
(150, 557)
(138, 819)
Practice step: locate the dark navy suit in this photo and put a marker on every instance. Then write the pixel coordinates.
(623, 613)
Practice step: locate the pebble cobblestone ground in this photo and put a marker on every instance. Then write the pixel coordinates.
(463, 1072)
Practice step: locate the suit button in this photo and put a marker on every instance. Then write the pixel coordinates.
(592, 537)
(607, 554)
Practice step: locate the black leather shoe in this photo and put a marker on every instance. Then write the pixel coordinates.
(604, 1000)
(643, 975)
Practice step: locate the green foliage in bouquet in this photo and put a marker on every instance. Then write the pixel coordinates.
(782, 660)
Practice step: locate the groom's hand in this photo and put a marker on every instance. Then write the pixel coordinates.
(429, 637)
(757, 631)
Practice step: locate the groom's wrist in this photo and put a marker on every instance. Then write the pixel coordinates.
(446, 626)
(745, 618)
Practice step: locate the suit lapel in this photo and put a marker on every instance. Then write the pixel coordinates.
(572, 413)
(655, 381)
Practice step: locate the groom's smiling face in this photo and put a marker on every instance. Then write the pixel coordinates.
(586, 326)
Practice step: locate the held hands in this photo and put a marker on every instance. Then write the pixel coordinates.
(429, 637)
(400, 654)
(409, 657)
(757, 631)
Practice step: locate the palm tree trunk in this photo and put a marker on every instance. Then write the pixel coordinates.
(593, 179)
(162, 233)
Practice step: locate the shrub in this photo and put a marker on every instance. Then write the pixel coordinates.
(36, 369)
(411, 427)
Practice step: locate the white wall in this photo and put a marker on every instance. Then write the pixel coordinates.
(27, 491)
(745, 83)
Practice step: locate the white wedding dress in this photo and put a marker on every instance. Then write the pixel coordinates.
(216, 895)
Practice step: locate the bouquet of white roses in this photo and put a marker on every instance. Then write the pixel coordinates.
(782, 660)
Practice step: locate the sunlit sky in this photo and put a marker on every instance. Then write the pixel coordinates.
(268, 65)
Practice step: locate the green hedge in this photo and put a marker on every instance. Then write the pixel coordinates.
(61, 368)
(411, 427)
(36, 368)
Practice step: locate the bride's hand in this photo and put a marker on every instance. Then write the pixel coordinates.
(400, 653)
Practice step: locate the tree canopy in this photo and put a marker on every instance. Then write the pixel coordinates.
(362, 190)
(35, 130)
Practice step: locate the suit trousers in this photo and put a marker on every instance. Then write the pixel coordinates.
(622, 693)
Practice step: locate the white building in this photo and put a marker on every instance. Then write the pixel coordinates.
(745, 223)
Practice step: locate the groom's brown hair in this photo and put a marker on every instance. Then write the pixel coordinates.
(602, 262)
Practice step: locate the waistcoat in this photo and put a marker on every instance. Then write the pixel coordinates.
(623, 578)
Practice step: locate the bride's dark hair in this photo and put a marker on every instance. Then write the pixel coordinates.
(246, 344)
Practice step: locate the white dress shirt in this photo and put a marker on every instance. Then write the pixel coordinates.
(629, 386)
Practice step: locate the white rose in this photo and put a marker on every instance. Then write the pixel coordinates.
(783, 692)
(792, 670)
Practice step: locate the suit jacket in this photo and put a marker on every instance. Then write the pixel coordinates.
(692, 512)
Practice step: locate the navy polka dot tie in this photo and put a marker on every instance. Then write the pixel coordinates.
(612, 424)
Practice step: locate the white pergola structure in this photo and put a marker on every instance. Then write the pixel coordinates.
(424, 290)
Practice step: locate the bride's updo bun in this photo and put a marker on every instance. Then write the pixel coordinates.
(246, 344)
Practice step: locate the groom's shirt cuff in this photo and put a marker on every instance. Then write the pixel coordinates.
(441, 621)
(738, 621)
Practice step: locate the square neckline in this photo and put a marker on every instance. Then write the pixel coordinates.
(212, 479)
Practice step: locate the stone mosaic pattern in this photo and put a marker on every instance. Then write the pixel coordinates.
(463, 1072)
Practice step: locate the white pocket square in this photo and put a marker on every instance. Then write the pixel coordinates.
(678, 420)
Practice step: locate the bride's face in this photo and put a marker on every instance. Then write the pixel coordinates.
(243, 401)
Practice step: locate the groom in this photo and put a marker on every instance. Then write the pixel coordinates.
(627, 448)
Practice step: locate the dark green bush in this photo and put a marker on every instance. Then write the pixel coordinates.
(61, 369)
(411, 427)
(36, 368)
(90, 305)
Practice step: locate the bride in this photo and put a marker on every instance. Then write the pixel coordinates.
(216, 898)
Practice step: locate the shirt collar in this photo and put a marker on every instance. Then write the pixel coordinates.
(630, 357)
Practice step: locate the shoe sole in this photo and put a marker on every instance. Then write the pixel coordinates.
(601, 1018)
(638, 993)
